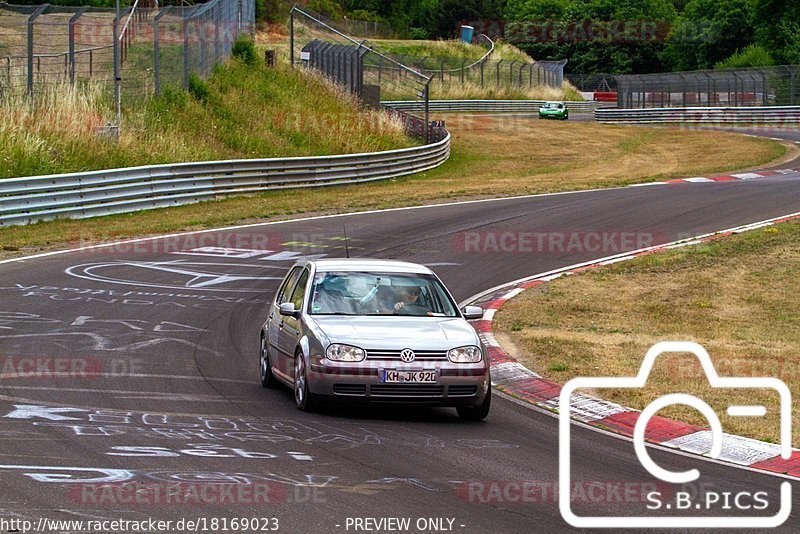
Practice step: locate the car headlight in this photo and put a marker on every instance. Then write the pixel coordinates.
(469, 354)
(344, 353)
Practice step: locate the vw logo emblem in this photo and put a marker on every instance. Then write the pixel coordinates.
(407, 355)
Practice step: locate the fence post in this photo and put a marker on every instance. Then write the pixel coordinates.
(203, 43)
(157, 50)
(482, 65)
(31, 19)
(463, 63)
(291, 37)
(498, 72)
(186, 50)
(441, 73)
(72, 21)
(217, 17)
(427, 113)
(511, 73)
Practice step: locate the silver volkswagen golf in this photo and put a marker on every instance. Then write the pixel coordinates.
(377, 331)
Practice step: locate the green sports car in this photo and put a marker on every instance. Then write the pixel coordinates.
(553, 110)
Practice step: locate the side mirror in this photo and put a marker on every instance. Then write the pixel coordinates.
(287, 309)
(472, 312)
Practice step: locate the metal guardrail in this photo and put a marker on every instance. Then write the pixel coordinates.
(496, 106)
(95, 193)
(718, 115)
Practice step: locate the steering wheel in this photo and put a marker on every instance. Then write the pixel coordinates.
(413, 309)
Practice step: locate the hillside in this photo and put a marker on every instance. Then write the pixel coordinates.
(243, 111)
(452, 51)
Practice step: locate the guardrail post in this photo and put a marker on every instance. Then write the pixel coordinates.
(72, 21)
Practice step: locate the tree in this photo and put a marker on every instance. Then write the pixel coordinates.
(708, 32)
(618, 36)
(777, 24)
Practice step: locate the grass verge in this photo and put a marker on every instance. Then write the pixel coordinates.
(737, 296)
(449, 50)
(491, 156)
(243, 111)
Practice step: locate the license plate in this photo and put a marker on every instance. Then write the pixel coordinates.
(392, 376)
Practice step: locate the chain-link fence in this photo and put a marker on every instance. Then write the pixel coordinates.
(367, 29)
(47, 46)
(761, 86)
(363, 69)
(453, 77)
(592, 83)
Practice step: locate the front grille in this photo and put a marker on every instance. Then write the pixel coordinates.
(419, 355)
(406, 390)
(462, 391)
(350, 389)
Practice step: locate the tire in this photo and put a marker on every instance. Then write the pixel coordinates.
(303, 398)
(479, 412)
(268, 380)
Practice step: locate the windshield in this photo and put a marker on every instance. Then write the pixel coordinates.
(553, 105)
(360, 293)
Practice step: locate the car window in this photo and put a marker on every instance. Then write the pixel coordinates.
(288, 285)
(299, 290)
(385, 293)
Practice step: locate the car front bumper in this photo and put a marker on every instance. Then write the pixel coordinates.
(455, 386)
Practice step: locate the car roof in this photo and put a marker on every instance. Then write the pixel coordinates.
(368, 265)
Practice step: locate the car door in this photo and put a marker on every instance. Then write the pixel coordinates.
(290, 332)
(275, 324)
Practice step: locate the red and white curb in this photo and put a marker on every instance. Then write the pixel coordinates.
(723, 177)
(511, 377)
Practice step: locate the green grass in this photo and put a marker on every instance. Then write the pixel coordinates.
(249, 112)
(737, 296)
(451, 51)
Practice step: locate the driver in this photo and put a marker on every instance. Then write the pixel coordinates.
(407, 295)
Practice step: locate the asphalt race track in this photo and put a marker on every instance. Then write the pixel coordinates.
(157, 345)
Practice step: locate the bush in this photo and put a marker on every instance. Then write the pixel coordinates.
(198, 88)
(418, 33)
(244, 48)
(752, 56)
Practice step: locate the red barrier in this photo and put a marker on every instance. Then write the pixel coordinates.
(605, 96)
